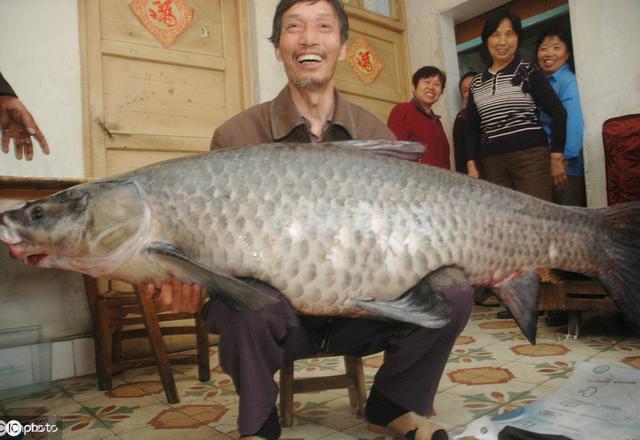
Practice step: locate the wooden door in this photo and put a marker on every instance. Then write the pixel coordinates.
(387, 36)
(147, 103)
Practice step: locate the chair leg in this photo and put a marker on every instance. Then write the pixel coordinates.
(286, 394)
(202, 343)
(117, 345)
(358, 393)
(104, 339)
(158, 347)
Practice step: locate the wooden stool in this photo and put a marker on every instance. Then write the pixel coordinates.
(353, 379)
(114, 309)
(573, 293)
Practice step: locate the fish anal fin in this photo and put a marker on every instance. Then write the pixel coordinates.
(520, 296)
(235, 293)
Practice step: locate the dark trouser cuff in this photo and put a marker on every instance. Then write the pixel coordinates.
(271, 428)
(380, 410)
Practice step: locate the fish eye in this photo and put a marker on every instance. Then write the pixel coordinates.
(37, 213)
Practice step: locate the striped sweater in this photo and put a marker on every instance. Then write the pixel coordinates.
(503, 111)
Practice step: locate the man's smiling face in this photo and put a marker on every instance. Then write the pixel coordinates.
(310, 45)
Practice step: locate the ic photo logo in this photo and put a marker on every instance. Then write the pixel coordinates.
(12, 428)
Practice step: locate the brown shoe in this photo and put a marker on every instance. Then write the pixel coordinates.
(421, 428)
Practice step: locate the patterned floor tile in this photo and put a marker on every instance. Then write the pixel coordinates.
(190, 390)
(306, 431)
(79, 423)
(313, 409)
(123, 398)
(617, 359)
(182, 434)
(541, 372)
(475, 376)
(135, 418)
(451, 410)
(492, 369)
(82, 389)
(54, 398)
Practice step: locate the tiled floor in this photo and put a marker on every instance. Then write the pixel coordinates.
(492, 369)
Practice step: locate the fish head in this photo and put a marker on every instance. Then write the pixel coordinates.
(90, 228)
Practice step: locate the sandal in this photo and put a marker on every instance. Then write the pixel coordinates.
(411, 426)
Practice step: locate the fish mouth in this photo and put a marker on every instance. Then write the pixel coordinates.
(31, 257)
(35, 259)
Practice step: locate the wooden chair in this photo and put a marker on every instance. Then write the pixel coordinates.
(353, 379)
(573, 293)
(115, 310)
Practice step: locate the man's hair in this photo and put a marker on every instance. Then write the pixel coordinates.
(428, 72)
(469, 74)
(563, 36)
(284, 5)
(493, 22)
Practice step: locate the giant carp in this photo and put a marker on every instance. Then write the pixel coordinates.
(337, 229)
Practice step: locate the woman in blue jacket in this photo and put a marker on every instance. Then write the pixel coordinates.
(554, 59)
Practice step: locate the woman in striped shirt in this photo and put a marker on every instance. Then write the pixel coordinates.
(504, 138)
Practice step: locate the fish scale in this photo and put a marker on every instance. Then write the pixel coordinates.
(362, 194)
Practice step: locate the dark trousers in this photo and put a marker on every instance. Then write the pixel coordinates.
(527, 171)
(253, 346)
(573, 194)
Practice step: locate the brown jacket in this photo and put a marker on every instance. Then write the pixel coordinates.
(279, 121)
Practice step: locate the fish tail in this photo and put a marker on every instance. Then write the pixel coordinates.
(620, 277)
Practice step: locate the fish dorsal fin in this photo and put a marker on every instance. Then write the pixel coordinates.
(520, 296)
(398, 149)
(424, 304)
(236, 294)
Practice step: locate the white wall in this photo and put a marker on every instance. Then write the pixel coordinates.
(606, 50)
(606, 44)
(268, 75)
(40, 57)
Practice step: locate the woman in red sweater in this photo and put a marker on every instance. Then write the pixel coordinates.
(416, 121)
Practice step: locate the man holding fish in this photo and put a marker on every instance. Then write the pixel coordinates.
(309, 39)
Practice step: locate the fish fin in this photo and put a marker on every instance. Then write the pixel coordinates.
(621, 276)
(520, 296)
(424, 304)
(236, 294)
(398, 149)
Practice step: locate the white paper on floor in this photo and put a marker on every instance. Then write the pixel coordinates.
(597, 402)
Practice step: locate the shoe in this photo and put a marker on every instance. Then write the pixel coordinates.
(411, 426)
(504, 314)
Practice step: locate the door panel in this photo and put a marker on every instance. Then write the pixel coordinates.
(387, 37)
(148, 103)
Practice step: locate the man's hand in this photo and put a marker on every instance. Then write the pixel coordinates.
(174, 296)
(17, 123)
(472, 169)
(558, 172)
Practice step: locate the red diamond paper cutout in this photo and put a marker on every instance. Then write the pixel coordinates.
(364, 60)
(164, 19)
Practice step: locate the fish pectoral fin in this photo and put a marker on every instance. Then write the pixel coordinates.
(236, 294)
(399, 149)
(424, 304)
(520, 296)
